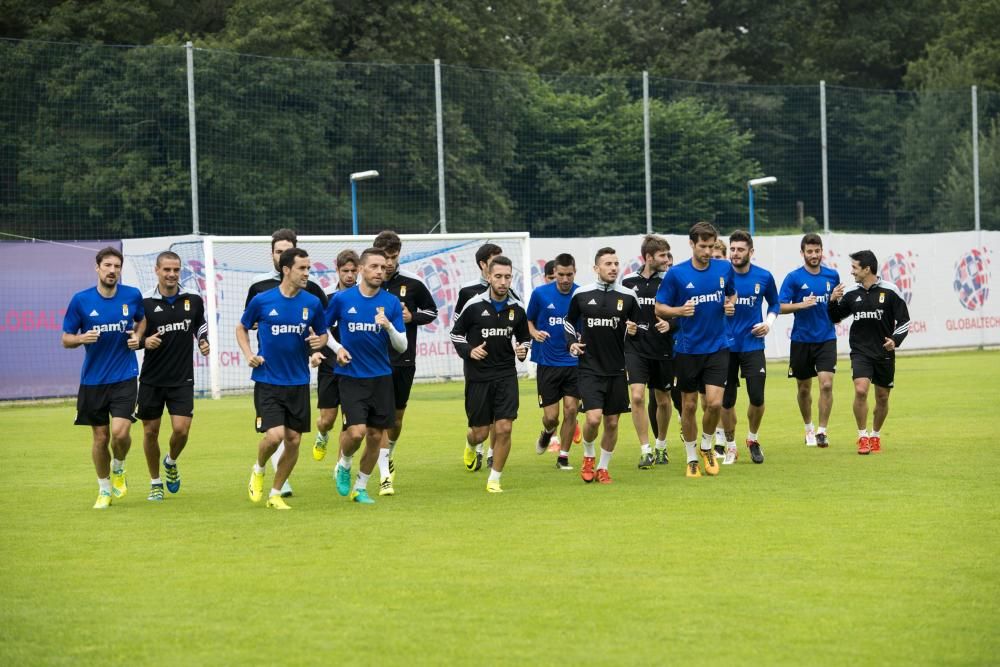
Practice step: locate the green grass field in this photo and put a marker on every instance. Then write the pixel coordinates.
(815, 557)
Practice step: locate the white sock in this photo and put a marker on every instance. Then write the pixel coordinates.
(751, 436)
(862, 433)
(661, 444)
(810, 427)
(730, 444)
(706, 441)
(383, 463)
(258, 469)
(117, 465)
(605, 459)
(588, 449)
(646, 449)
(156, 481)
(392, 447)
(277, 454)
(494, 475)
(479, 448)
(105, 484)
(274, 492)
(563, 454)
(821, 429)
(720, 436)
(169, 461)
(345, 461)
(690, 448)
(489, 453)
(361, 483)
(874, 434)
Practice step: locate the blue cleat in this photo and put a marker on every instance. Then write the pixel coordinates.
(173, 476)
(361, 496)
(342, 476)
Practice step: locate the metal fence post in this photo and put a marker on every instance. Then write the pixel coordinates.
(439, 113)
(975, 159)
(822, 143)
(646, 152)
(192, 140)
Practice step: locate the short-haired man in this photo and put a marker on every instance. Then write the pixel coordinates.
(369, 321)
(747, 329)
(805, 293)
(327, 383)
(600, 316)
(482, 336)
(648, 354)
(281, 240)
(701, 291)
(290, 326)
(557, 368)
(881, 322)
(174, 318)
(108, 320)
(419, 310)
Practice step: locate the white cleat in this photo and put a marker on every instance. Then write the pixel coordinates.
(810, 438)
(731, 455)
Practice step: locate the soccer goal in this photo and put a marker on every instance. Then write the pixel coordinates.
(443, 261)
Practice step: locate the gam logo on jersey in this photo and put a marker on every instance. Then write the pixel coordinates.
(900, 270)
(972, 278)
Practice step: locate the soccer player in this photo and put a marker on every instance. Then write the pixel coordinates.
(648, 354)
(287, 319)
(556, 376)
(701, 291)
(369, 320)
(600, 315)
(482, 336)
(747, 329)
(718, 252)
(281, 240)
(108, 320)
(328, 389)
(419, 310)
(805, 292)
(174, 318)
(881, 322)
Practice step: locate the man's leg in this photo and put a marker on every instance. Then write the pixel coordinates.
(570, 407)
(825, 379)
(324, 422)
(878, 417)
(501, 447)
(860, 406)
(100, 453)
(269, 442)
(374, 438)
(608, 441)
(662, 420)
(151, 447)
(640, 419)
(288, 460)
(121, 442)
(591, 427)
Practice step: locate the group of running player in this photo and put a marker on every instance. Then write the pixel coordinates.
(679, 331)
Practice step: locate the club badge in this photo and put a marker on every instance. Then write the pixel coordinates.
(510, 314)
(125, 310)
(187, 304)
(881, 297)
(756, 288)
(305, 313)
(621, 304)
(722, 283)
(260, 422)
(402, 291)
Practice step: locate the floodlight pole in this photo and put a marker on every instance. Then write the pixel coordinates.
(355, 177)
(754, 183)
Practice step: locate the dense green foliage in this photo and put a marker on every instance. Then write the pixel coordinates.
(542, 114)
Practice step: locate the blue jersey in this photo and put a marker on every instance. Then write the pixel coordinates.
(282, 327)
(750, 287)
(705, 332)
(547, 308)
(108, 360)
(812, 325)
(353, 314)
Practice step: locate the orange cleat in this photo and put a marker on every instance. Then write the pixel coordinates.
(603, 477)
(864, 446)
(587, 469)
(875, 444)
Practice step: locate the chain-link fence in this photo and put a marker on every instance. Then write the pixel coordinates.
(110, 142)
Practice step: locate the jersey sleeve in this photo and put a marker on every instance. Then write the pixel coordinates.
(838, 310)
(570, 321)
(318, 292)
(635, 310)
(521, 333)
(787, 293)
(426, 311)
(318, 321)
(463, 297)
(901, 316)
(771, 296)
(459, 332)
(666, 293)
(250, 314)
(72, 320)
(533, 306)
(140, 310)
(331, 313)
(395, 315)
(200, 324)
(730, 284)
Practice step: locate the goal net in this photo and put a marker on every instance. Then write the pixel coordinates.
(443, 261)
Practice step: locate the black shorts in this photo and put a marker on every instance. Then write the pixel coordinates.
(745, 364)
(608, 393)
(402, 383)
(654, 373)
(94, 402)
(487, 402)
(882, 372)
(692, 372)
(554, 382)
(279, 405)
(179, 401)
(367, 401)
(805, 360)
(328, 390)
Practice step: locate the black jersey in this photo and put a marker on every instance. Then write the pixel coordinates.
(648, 342)
(481, 322)
(597, 317)
(329, 363)
(474, 288)
(879, 312)
(413, 294)
(177, 320)
(267, 281)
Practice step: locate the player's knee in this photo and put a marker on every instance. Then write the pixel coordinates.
(611, 422)
(755, 392)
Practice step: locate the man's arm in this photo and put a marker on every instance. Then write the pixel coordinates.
(901, 316)
(459, 333)
(243, 340)
(426, 311)
(837, 308)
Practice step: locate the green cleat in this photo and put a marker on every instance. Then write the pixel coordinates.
(103, 500)
(361, 496)
(342, 476)
(155, 493)
(173, 476)
(119, 487)
(319, 446)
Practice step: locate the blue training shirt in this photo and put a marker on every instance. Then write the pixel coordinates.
(751, 286)
(108, 360)
(282, 327)
(705, 332)
(812, 325)
(546, 309)
(354, 315)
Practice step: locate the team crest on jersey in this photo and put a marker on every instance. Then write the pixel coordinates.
(260, 422)
(756, 288)
(305, 313)
(187, 304)
(621, 304)
(827, 285)
(402, 290)
(722, 282)
(125, 310)
(510, 314)
(881, 297)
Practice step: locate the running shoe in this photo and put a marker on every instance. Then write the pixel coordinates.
(731, 455)
(286, 489)
(577, 434)
(822, 441)
(646, 461)
(692, 469)
(811, 438)
(342, 476)
(562, 463)
(660, 456)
